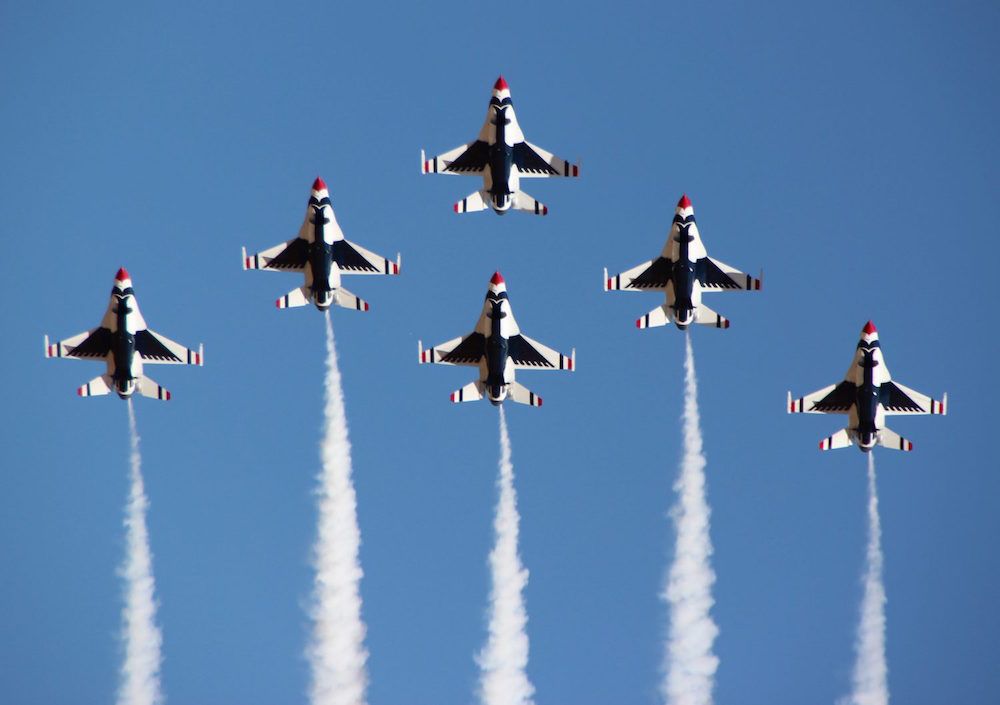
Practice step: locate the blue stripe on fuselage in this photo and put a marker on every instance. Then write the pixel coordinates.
(321, 252)
(868, 396)
(122, 342)
(684, 272)
(496, 344)
(500, 158)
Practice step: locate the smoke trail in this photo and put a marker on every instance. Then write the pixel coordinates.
(502, 662)
(336, 652)
(140, 673)
(690, 664)
(870, 671)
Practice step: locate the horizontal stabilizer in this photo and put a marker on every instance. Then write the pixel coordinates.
(148, 388)
(707, 317)
(96, 387)
(528, 204)
(294, 298)
(522, 395)
(659, 316)
(841, 439)
(473, 391)
(475, 201)
(342, 297)
(887, 438)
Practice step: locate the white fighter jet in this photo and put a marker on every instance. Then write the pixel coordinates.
(124, 342)
(867, 395)
(322, 254)
(497, 348)
(502, 157)
(683, 271)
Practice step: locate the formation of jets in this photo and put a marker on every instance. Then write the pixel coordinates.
(501, 156)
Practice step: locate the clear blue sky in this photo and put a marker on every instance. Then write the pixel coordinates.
(850, 150)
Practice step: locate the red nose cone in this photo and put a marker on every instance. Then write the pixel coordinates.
(685, 202)
(122, 275)
(501, 85)
(319, 184)
(870, 328)
(497, 279)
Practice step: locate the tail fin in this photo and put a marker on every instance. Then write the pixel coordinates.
(99, 386)
(841, 439)
(707, 317)
(294, 298)
(524, 202)
(342, 297)
(522, 395)
(148, 388)
(475, 201)
(473, 391)
(659, 316)
(888, 438)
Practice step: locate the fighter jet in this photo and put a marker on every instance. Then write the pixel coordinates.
(683, 271)
(497, 347)
(502, 157)
(322, 254)
(867, 395)
(124, 343)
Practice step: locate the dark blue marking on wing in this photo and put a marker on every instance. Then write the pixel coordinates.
(149, 347)
(470, 350)
(531, 162)
(524, 353)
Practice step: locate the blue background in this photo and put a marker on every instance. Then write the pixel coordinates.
(849, 149)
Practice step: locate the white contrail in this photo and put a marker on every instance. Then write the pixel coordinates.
(502, 662)
(336, 651)
(690, 663)
(140, 673)
(870, 685)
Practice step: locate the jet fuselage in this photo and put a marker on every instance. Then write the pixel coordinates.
(501, 159)
(320, 255)
(496, 356)
(123, 346)
(868, 400)
(684, 275)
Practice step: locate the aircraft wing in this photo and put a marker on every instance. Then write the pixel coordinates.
(91, 344)
(289, 256)
(532, 161)
(467, 159)
(464, 350)
(651, 275)
(835, 399)
(157, 349)
(719, 275)
(352, 258)
(528, 354)
(898, 399)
